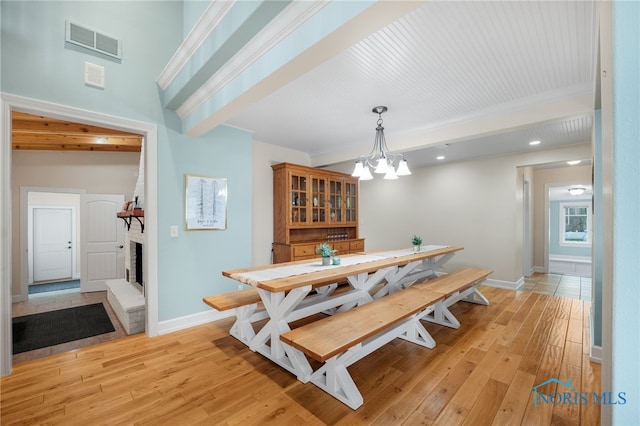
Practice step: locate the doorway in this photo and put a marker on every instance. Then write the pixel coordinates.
(569, 229)
(10, 258)
(52, 241)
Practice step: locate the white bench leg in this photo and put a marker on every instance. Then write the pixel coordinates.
(442, 315)
(242, 329)
(416, 333)
(334, 379)
(474, 296)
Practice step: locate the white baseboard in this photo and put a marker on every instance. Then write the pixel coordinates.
(17, 298)
(509, 285)
(192, 320)
(539, 269)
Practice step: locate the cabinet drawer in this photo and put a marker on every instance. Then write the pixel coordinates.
(357, 245)
(304, 250)
(342, 247)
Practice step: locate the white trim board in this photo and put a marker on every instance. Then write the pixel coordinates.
(192, 320)
(508, 285)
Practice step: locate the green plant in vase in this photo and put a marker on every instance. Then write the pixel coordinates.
(416, 241)
(326, 251)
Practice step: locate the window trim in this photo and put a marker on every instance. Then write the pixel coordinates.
(562, 222)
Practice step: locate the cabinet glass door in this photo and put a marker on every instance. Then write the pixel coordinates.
(318, 200)
(351, 196)
(298, 199)
(335, 201)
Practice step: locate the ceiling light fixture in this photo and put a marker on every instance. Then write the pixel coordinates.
(573, 162)
(576, 190)
(440, 157)
(534, 143)
(380, 159)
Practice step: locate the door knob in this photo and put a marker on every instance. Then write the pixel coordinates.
(120, 246)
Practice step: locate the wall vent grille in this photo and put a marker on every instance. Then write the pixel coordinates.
(93, 40)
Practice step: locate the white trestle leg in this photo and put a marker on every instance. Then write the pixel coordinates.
(267, 340)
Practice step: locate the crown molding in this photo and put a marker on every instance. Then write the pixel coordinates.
(209, 21)
(281, 27)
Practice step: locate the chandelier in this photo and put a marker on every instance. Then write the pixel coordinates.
(380, 159)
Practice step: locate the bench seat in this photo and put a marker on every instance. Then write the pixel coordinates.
(332, 335)
(457, 286)
(226, 301)
(455, 282)
(346, 337)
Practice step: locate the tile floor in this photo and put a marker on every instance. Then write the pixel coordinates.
(51, 301)
(550, 284)
(559, 285)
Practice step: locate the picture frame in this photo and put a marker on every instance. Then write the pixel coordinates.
(205, 202)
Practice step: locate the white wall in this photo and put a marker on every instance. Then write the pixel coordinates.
(264, 156)
(475, 204)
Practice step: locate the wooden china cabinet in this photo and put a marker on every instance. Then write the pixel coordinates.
(312, 206)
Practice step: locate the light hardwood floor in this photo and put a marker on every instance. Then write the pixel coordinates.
(481, 373)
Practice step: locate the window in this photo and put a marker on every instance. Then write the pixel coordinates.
(575, 224)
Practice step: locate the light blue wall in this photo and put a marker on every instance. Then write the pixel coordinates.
(37, 63)
(189, 266)
(200, 256)
(554, 234)
(626, 204)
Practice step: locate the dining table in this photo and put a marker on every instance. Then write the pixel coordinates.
(295, 290)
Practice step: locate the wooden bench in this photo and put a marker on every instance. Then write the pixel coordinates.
(457, 286)
(249, 309)
(236, 299)
(346, 337)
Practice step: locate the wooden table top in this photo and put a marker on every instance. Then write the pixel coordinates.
(328, 275)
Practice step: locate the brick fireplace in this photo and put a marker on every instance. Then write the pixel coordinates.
(126, 296)
(133, 256)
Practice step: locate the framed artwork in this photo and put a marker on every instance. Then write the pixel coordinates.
(205, 202)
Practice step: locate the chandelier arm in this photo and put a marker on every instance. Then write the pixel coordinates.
(380, 159)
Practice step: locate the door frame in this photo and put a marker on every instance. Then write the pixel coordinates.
(526, 235)
(9, 103)
(547, 219)
(25, 212)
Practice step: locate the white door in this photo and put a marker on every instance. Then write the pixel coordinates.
(52, 244)
(102, 240)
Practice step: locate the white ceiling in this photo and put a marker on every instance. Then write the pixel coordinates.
(510, 71)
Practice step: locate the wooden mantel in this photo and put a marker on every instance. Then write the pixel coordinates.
(128, 215)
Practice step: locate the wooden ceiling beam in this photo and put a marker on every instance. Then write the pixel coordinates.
(32, 132)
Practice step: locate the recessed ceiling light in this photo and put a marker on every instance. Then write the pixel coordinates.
(534, 143)
(573, 162)
(440, 157)
(577, 190)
